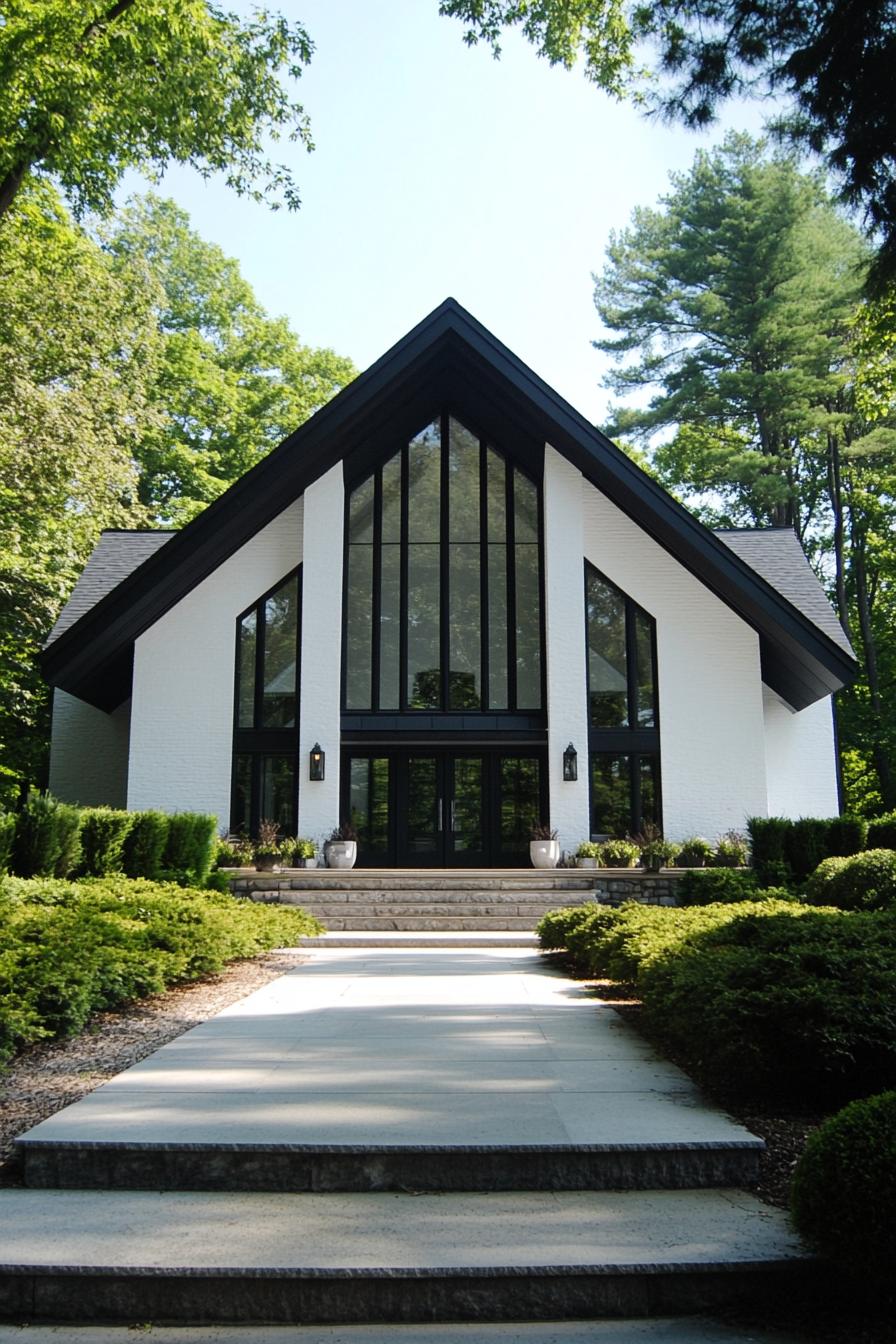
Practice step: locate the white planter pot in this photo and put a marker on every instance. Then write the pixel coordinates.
(310, 863)
(544, 853)
(341, 853)
(586, 863)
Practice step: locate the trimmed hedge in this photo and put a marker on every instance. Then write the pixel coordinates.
(190, 847)
(144, 845)
(843, 1197)
(47, 840)
(68, 949)
(861, 882)
(768, 847)
(785, 851)
(882, 832)
(847, 835)
(103, 833)
(709, 886)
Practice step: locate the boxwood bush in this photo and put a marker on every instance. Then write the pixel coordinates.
(711, 885)
(861, 882)
(789, 1002)
(68, 949)
(844, 1188)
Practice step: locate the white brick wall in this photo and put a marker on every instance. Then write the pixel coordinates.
(801, 759)
(565, 640)
(89, 752)
(182, 708)
(321, 652)
(710, 698)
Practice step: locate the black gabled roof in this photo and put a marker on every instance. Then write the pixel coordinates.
(448, 360)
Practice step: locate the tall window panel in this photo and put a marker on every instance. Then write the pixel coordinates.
(266, 698)
(444, 580)
(623, 714)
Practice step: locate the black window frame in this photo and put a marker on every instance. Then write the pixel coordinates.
(259, 742)
(632, 741)
(445, 715)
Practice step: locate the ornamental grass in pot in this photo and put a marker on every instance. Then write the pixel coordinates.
(544, 847)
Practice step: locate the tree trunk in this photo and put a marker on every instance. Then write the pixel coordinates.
(10, 184)
(835, 493)
(869, 646)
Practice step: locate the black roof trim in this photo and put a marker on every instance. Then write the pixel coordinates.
(451, 355)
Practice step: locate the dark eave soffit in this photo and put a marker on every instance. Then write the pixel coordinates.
(449, 355)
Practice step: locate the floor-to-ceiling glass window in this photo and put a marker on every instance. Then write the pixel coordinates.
(623, 714)
(443, 590)
(266, 711)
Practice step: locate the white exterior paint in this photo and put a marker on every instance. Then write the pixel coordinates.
(712, 738)
(321, 679)
(565, 645)
(89, 752)
(801, 758)
(182, 708)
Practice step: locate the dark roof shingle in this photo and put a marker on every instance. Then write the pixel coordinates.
(115, 556)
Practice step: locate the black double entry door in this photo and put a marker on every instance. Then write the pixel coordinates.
(433, 808)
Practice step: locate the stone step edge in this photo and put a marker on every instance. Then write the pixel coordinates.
(297, 1168)
(115, 1295)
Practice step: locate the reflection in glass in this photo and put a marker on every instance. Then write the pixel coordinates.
(611, 794)
(369, 804)
(392, 499)
(464, 628)
(390, 626)
(607, 664)
(424, 665)
(425, 485)
(528, 629)
(281, 626)
(519, 801)
(360, 513)
(497, 627)
(241, 816)
(466, 812)
(646, 679)
(497, 496)
(277, 799)
(648, 768)
(359, 627)
(246, 672)
(463, 484)
(422, 835)
(525, 510)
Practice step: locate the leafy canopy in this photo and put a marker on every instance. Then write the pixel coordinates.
(91, 89)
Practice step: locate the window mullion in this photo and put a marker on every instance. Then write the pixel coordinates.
(485, 695)
(510, 557)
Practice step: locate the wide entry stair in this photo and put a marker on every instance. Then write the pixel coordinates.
(391, 1136)
(430, 902)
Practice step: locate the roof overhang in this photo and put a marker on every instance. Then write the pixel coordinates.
(449, 361)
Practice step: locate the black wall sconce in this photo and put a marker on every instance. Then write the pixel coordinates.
(570, 765)
(316, 766)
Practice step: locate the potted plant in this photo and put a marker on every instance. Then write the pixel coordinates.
(341, 850)
(693, 852)
(618, 854)
(305, 853)
(656, 853)
(586, 854)
(267, 852)
(732, 851)
(544, 847)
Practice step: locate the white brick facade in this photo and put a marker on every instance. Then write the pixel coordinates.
(182, 705)
(89, 752)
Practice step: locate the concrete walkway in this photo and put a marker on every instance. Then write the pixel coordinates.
(400, 1047)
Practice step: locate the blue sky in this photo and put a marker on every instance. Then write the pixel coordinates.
(438, 171)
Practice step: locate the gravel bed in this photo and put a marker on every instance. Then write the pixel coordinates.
(47, 1077)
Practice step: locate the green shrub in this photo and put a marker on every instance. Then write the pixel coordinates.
(7, 839)
(844, 1188)
(144, 844)
(238, 853)
(46, 840)
(848, 835)
(695, 852)
(103, 833)
(217, 880)
(805, 845)
(588, 849)
(782, 1002)
(768, 840)
(69, 949)
(882, 832)
(190, 846)
(861, 882)
(711, 885)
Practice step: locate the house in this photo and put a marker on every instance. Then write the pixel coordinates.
(478, 610)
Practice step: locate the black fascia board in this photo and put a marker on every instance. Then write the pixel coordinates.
(804, 664)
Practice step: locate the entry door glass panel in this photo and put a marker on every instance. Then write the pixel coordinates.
(423, 809)
(465, 809)
(519, 802)
(369, 807)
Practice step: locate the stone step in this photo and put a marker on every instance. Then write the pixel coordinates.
(182, 1259)
(432, 924)
(409, 939)
(472, 896)
(301, 1168)
(382, 880)
(531, 910)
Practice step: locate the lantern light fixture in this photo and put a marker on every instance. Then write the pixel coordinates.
(317, 763)
(570, 765)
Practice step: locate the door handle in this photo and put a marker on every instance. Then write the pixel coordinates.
(451, 819)
(439, 815)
